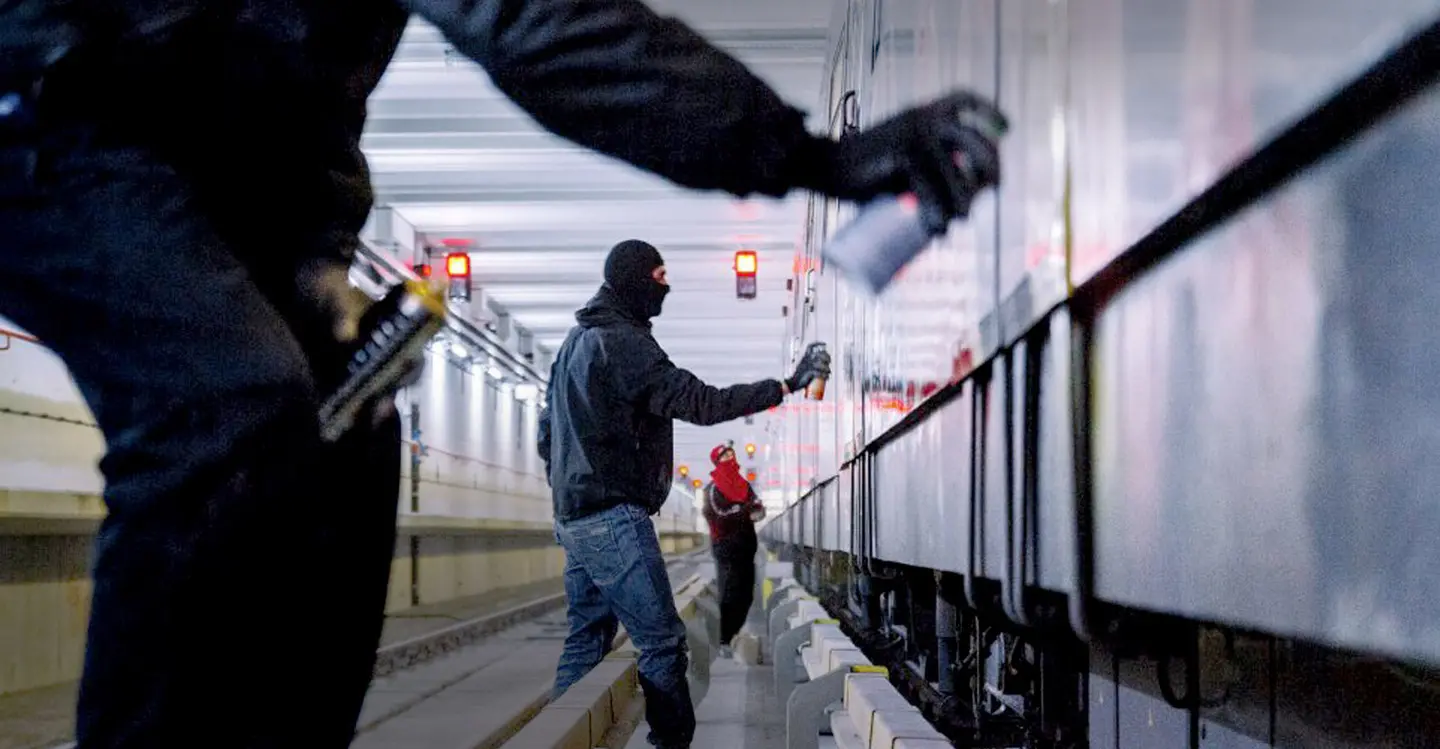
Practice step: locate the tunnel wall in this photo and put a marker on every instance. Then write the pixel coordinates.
(474, 510)
(45, 587)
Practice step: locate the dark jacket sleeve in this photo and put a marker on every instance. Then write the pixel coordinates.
(543, 428)
(615, 77)
(672, 392)
(542, 441)
(707, 507)
(313, 175)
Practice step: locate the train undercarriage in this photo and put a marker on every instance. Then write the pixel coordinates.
(1148, 681)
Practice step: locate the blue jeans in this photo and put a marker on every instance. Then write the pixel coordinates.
(615, 574)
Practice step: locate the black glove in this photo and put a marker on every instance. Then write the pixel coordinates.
(325, 290)
(944, 152)
(815, 363)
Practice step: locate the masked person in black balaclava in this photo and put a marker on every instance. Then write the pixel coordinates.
(606, 437)
(635, 274)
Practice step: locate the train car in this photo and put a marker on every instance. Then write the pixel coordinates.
(1144, 452)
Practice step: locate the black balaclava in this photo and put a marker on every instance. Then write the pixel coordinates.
(627, 273)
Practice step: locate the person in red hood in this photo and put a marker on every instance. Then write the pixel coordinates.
(731, 509)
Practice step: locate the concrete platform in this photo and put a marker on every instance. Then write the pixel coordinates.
(739, 712)
(37, 718)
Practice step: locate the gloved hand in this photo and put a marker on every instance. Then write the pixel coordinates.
(324, 289)
(324, 286)
(815, 363)
(944, 152)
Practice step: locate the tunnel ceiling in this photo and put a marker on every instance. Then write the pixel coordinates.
(457, 160)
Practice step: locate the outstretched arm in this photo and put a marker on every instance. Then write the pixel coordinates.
(669, 391)
(615, 77)
(678, 394)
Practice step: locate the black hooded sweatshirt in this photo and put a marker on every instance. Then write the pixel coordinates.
(606, 434)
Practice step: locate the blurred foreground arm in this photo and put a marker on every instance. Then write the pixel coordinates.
(615, 77)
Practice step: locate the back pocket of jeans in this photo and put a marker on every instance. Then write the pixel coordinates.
(596, 549)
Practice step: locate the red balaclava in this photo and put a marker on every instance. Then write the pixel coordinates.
(727, 476)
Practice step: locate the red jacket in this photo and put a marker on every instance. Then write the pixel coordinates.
(728, 518)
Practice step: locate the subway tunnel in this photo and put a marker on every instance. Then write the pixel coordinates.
(1135, 456)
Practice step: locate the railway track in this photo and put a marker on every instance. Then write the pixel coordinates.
(479, 681)
(472, 684)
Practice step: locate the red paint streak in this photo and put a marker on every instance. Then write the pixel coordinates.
(15, 335)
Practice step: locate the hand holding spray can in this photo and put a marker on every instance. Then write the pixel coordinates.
(392, 333)
(815, 391)
(889, 231)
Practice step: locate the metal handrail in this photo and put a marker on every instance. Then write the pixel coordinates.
(481, 461)
(456, 324)
(491, 491)
(15, 335)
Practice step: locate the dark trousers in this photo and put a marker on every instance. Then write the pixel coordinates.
(615, 574)
(735, 577)
(240, 575)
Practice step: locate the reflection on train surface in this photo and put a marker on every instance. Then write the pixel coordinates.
(1145, 453)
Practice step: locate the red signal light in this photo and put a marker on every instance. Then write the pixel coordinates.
(423, 270)
(457, 267)
(746, 265)
(750, 476)
(457, 264)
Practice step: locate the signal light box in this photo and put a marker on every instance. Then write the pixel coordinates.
(747, 265)
(457, 267)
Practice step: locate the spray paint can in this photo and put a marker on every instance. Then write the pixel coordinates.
(393, 332)
(885, 235)
(888, 232)
(815, 391)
